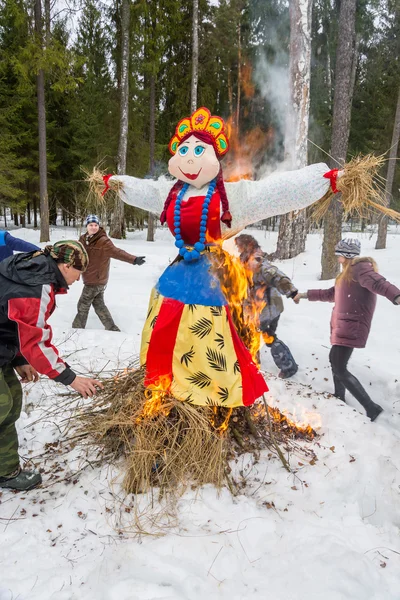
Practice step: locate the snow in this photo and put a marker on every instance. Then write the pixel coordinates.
(329, 532)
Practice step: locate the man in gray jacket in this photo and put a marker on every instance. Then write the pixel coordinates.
(269, 284)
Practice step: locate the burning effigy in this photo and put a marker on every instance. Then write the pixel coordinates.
(177, 416)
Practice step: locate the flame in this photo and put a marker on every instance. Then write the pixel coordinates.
(235, 280)
(225, 423)
(155, 399)
(245, 150)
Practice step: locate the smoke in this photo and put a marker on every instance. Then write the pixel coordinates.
(272, 79)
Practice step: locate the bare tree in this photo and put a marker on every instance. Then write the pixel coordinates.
(293, 229)
(344, 85)
(152, 139)
(195, 55)
(117, 229)
(43, 195)
(383, 222)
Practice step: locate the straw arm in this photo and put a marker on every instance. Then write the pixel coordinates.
(147, 194)
(278, 194)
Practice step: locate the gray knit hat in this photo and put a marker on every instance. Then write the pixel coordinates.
(349, 248)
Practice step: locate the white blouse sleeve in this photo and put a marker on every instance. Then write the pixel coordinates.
(278, 194)
(148, 194)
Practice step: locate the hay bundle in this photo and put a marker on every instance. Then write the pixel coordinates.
(361, 188)
(95, 180)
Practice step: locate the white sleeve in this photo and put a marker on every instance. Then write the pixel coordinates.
(148, 194)
(278, 194)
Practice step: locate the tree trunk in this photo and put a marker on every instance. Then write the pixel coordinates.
(383, 222)
(195, 56)
(293, 229)
(152, 140)
(5, 218)
(117, 229)
(44, 201)
(239, 81)
(35, 214)
(28, 212)
(16, 220)
(344, 82)
(22, 219)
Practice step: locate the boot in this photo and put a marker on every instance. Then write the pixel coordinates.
(21, 480)
(113, 328)
(283, 359)
(374, 412)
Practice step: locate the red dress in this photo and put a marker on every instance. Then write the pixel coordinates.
(189, 342)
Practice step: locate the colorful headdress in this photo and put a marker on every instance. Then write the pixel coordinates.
(201, 120)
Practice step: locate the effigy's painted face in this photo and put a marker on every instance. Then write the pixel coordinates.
(195, 162)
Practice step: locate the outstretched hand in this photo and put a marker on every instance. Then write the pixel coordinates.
(299, 296)
(139, 260)
(397, 300)
(85, 386)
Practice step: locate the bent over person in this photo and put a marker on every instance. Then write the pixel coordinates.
(28, 288)
(100, 250)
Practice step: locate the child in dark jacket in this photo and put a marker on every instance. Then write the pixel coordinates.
(269, 284)
(354, 295)
(9, 244)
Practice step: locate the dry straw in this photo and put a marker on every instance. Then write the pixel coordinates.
(97, 187)
(362, 190)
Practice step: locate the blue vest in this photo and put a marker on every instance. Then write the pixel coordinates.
(5, 251)
(2, 238)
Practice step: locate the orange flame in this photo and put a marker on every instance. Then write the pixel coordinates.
(245, 150)
(155, 399)
(225, 423)
(235, 280)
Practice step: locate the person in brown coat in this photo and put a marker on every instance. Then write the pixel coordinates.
(354, 295)
(100, 250)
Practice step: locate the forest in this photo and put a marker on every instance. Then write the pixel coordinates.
(90, 83)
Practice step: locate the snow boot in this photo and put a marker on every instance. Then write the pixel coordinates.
(374, 412)
(21, 480)
(283, 359)
(114, 328)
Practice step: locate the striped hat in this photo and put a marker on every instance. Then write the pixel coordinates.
(92, 219)
(69, 252)
(349, 248)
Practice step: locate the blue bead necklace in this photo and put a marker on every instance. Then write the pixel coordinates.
(200, 246)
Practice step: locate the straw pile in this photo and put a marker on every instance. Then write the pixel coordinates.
(166, 443)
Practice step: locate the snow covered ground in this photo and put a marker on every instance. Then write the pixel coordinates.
(330, 532)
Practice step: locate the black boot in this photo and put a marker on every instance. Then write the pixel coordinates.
(283, 359)
(340, 389)
(21, 480)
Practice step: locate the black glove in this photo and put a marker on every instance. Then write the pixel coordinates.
(139, 260)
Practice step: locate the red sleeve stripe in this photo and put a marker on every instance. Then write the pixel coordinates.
(35, 334)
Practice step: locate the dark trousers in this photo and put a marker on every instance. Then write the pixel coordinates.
(92, 295)
(344, 380)
(281, 354)
(10, 410)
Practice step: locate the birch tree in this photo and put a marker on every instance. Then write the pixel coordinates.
(293, 229)
(117, 229)
(195, 55)
(383, 222)
(344, 85)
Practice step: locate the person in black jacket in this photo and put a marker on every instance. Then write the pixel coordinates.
(29, 284)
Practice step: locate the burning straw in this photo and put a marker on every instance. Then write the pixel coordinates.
(361, 188)
(168, 444)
